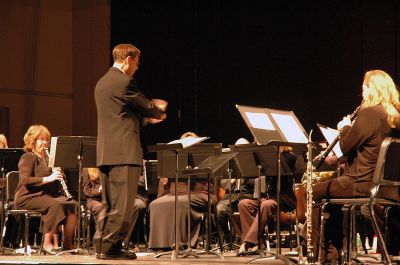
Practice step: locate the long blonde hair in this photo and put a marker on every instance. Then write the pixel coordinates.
(381, 91)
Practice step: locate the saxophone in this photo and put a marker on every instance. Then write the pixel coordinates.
(62, 181)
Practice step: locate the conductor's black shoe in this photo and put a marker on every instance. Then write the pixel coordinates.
(123, 254)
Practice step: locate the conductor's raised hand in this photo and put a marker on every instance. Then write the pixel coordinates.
(160, 103)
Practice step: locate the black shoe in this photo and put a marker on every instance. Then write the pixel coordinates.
(123, 254)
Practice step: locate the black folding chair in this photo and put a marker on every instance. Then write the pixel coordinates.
(387, 174)
(12, 179)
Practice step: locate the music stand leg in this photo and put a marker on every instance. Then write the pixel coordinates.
(175, 252)
(278, 254)
(215, 252)
(78, 249)
(3, 198)
(230, 244)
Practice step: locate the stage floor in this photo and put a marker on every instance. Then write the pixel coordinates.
(145, 258)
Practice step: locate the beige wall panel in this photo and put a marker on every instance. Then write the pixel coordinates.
(54, 47)
(54, 113)
(53, 53)
(16, 33)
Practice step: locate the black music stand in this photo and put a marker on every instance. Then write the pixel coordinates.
(209, 168)
(9, 158)
(277, 128)
(255, 161)
(151, 180)
(74, 152)
(174, 147)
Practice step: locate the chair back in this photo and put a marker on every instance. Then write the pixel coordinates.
(12, 179)
(387, 171)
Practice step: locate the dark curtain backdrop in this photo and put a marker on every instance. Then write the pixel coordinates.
(206, 56)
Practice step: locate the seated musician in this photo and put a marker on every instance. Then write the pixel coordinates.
(38, 189)
(3, 141)
(3, 144)
(92, 190)
(248, 208)
(241, 189)
(162, 235)
(361, 141)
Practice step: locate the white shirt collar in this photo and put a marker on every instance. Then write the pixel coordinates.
(119, 67)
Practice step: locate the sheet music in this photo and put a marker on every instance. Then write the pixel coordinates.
(330, 134)
(289, 128)
(260, 121)
(189, 141)
(53, 145)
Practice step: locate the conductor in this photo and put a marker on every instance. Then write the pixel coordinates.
(121, 107)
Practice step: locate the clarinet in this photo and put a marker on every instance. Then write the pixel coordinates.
(319, 159)
(309, 202)
(62, 181)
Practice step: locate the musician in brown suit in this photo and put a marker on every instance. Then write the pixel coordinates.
(361, 139)
(120, 109)
(38, 190)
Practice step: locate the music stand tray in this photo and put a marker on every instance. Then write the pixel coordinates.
(9, 158)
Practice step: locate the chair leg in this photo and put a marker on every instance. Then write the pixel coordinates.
(385, 220)
(378, 233)
(146, 240)
(26, 236)
(324, 216)
(88, 216)
(347, 226)
(41, 244)
(218, 230)
(351, 250)
(3, 234)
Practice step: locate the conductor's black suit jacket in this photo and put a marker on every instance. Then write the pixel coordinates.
(120, 106)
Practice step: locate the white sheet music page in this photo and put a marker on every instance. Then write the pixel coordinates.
(289, 128)
(53, 144)
(189, 141)
(330, 135)
(260, 121)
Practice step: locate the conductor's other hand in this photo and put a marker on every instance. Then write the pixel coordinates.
(56, 175)
(154, 120)
(160, 103)
(345, 122)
